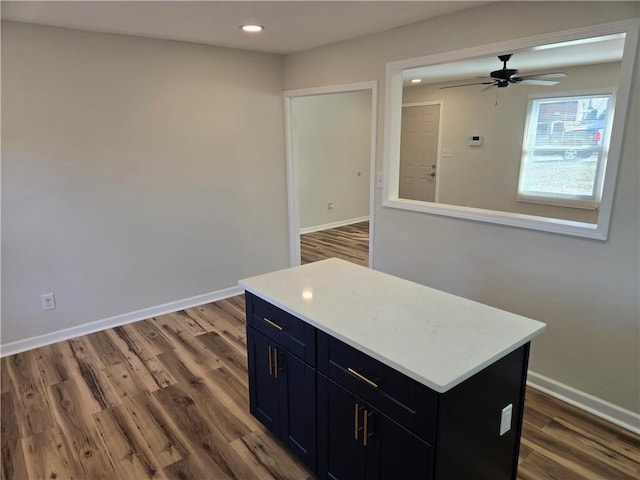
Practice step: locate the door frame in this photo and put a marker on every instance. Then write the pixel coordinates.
(293, 197)
(439, 146)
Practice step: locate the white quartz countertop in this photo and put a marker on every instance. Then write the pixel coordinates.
(436, 338)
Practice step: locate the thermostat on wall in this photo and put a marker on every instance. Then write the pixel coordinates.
(474, 140)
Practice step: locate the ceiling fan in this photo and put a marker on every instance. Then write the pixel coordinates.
(505, 76)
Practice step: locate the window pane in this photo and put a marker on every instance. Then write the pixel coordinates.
(546, 175)
(564, 146)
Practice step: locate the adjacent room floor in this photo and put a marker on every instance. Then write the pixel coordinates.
(350, 243)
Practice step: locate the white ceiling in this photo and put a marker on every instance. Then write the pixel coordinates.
(550, 58)
(290, 26)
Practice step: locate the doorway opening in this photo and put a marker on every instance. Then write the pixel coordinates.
(331, 141)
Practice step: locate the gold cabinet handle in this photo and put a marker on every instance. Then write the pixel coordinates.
(273, 324)
(355, 416)
(270, 361)
(364, 437)
(275, 362)
(362, 377)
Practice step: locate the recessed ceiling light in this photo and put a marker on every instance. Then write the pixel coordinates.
(416, 80)
(252, 28)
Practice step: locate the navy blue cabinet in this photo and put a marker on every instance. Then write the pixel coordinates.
(265, 387)
(349, 416)
(358, 442)
(411, 431)
(282, 387)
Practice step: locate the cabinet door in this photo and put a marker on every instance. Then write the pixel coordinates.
(264, 387)
(356, 441)
(298, 410)
(341, 453)
(399, 453)
(282, 395)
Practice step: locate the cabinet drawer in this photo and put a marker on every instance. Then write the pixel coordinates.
(408, 402)
(294, 335)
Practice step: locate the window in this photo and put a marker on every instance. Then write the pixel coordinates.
(564, 151)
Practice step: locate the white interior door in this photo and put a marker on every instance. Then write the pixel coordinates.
(419, 152)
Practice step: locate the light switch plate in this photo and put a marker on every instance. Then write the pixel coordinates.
(379, 183)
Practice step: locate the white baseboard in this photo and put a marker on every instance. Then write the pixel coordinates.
(99, 325)
(326, 226)
(597, 406)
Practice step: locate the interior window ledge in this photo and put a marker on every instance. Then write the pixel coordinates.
(520, 220)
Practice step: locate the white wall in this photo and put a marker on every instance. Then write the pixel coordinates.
(135, 172)
(487, 176)
(585, 290)
(333, 150)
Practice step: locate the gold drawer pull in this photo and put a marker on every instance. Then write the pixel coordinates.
(362, 377)
(366, 433)
(355, 416)
(273, 324)
(275, 362)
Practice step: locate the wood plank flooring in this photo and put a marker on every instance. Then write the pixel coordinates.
(161, 398)
(350, 243)
(167, 398)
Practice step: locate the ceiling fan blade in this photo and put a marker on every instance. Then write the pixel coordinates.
(468, 85)
(488, 87)
(527, 81)
(543, 76)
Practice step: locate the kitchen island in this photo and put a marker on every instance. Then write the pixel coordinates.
(366, 375)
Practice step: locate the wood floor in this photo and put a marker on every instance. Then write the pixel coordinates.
(161, 398)
(167, 397)
(350, 242)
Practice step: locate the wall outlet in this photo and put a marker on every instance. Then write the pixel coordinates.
(48, 301)
(330, 206)
(505, 419)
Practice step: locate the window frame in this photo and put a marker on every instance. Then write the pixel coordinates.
(589, 202)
